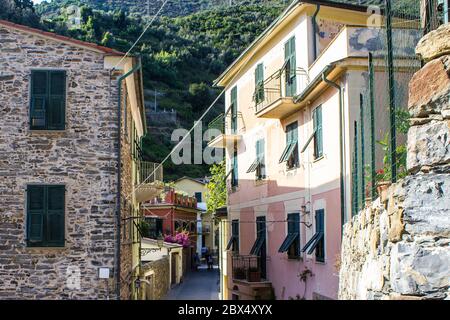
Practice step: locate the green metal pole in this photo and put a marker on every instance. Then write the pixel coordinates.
(355, 170)
(361, 126)
(372, 124)
(390, 57)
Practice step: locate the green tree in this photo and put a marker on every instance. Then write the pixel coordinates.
(217, 189)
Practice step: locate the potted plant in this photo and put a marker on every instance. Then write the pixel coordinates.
(254, 274)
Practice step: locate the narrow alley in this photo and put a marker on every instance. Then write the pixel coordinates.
(197, 285)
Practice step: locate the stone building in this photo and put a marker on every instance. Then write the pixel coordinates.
(60, 212)
(399, 247)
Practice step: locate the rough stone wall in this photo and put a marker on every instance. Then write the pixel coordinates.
(161, 276)
(83, 157)
(399, 247)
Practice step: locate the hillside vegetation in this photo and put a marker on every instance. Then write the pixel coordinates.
(182, 52)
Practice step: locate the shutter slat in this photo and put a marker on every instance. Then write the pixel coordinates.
(35, 213)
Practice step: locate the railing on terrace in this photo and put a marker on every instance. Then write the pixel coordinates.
(247, 268)
(148, 172)
(218, 123)
(223, 123)
(173, 198)
(280, 85)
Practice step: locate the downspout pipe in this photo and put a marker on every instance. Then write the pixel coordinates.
(119, 173)
(314, 25)
(341, 145)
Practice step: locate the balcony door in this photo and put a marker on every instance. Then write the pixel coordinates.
(290, 74)
(261, 232)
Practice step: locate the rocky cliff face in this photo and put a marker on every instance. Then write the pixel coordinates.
(399, 247)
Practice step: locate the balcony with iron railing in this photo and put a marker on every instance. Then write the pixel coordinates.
(228, 128)
(247, 268)
(274, 97)
(148, 180)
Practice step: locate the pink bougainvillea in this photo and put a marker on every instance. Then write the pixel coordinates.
(181, 238)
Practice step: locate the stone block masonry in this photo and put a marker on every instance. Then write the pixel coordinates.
(399, 247)
(83, 157)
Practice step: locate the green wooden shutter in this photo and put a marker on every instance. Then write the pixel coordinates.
(320, 220)
(291, 67)
(55, 215)
(35, 214)
(234, 107)
(38, 99)
(293, 223)
(56, 100)
(234, 167)
(318, 148)
(259, 83)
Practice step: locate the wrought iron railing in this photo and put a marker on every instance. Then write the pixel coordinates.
(218, 123)
(278, 86)
(227, 123)
(247, 268)
(148, 172)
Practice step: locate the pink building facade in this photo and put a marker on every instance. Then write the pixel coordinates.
(291, 101)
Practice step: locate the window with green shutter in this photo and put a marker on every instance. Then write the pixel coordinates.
(259, 165)
(259, 83)
(291, 243)
(317, 241)
(45, 215)
(233, 243)
(234, 107)
(290, 67)
(290, 153)
(318, 132)
(48, 100)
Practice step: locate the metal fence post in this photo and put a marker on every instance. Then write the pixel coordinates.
(361, 126)
(390, 57)
(372, 125)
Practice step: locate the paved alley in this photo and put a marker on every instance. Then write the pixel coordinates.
(197, 285)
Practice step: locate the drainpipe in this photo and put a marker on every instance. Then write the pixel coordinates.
(341, 145)
(119, 172)
(314, 23)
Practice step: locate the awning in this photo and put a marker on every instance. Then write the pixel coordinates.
(313, 242)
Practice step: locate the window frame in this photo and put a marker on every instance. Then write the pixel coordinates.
(47, 97)
(291, 153)
(317, 238)
(200, 196)
(320, 254)
(292, 236)
(45, 242)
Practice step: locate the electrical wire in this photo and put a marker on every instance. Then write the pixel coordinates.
(142, 34)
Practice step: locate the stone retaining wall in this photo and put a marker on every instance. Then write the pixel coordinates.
(399, 247)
